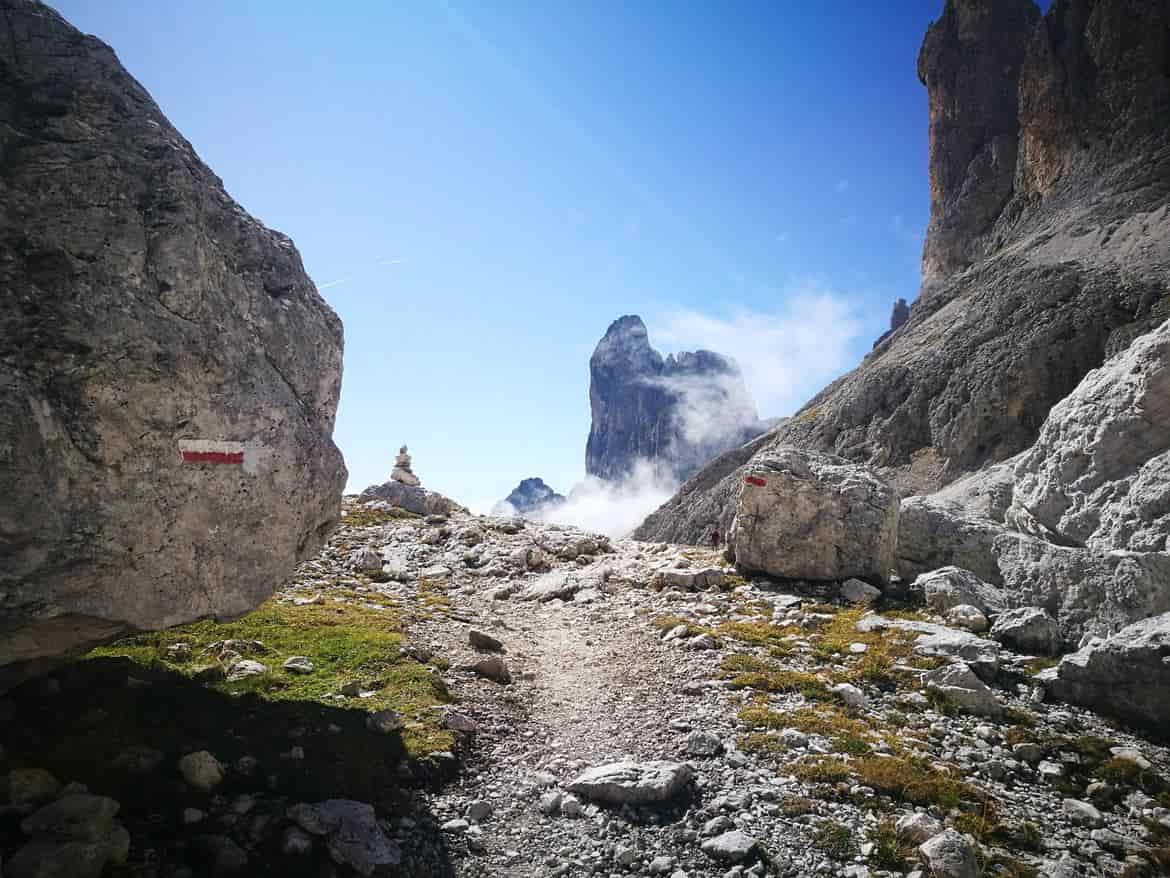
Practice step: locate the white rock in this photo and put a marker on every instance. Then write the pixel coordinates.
(201, 770)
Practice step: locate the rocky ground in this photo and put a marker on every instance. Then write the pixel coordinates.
(560, 704)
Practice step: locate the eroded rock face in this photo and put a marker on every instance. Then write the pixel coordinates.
(970, 64)
(803, 515)
(676, 413)
(168, 373)
(1064, 277)
(1099, 474)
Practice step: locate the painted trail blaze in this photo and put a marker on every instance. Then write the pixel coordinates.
(755, 480)
(211, 451)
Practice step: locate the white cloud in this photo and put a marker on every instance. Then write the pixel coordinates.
(332, 283)
(613, 508)
(787, 354)
(391, 261)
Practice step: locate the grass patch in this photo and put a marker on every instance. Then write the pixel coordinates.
(916, 781)
(761, 632)
(749, 672)
(889, 852)
(361, 515)
(346, 643)
(822, 770)
(835, 840)
(763, 744)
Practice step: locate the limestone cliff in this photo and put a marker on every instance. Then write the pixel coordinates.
(168, 373)
(1027, 287)
(675, 413)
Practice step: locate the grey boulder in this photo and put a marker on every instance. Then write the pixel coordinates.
(170, 374)
(950, 854)
(806, 515)
(1028, 630)
(949, 587)
(351, 833)
(620, 783)
(960, 685)
(731, 847)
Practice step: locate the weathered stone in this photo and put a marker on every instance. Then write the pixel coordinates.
(857, 592)
(1028, 630)
(960, 684)
(1085, 590)
(968, 618)
(620, 783)
(351, 832)
(950, 854)
(169, 370)
(803, 515)
(494, 668)
(1099, 473)
(412, 498)
(298, 664)
(917, 827)
(949, 587)
(938, 640)
(484, 641)
(731, 847)
(201, 770)
(1116, 676)
(385, 721)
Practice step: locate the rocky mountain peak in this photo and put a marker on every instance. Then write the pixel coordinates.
(674, 413)
(528, 497)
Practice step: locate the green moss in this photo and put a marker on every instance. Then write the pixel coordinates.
(346, 642)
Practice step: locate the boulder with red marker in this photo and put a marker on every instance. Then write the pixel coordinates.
(806, 515)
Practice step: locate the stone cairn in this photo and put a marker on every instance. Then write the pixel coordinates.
(402, 471)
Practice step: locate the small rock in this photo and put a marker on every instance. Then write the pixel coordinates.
(298, 664)
(1083, 814)
(201, 770)
(950, 854)
(242, 669)
(550, 803)
(385, 721)
(857, 592)
(703, 744)
(493, 668)
(731, 847)
(917, 827)
(850, 695)
(480, 640)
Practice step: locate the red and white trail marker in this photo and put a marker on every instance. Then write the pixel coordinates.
(755, 480)
(211, 451)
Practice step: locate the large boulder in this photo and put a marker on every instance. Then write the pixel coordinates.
(1126, 675)
(169, 374)
(1099, 474)
(804, 515)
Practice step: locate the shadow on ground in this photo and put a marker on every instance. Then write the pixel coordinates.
(120, 729)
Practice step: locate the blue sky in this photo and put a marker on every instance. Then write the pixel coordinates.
(480, 189)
